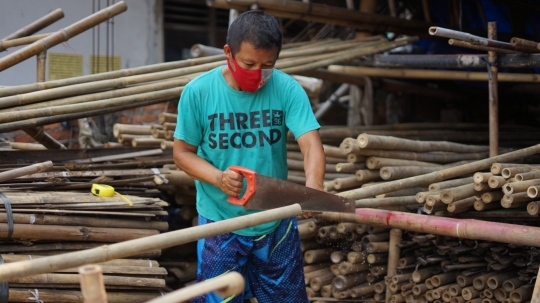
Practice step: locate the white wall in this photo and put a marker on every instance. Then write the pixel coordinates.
(138, 33)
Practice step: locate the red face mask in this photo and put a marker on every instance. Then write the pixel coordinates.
(249, 80)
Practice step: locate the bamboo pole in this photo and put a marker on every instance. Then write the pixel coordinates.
(491, 196)
(378, 163)
(120, 250)
(450, 183)
(23, 171)
(533, 208)
(62, 36)
(435, 157)
(527, 176)
(400, 172)
(365, 175)
(477, 40)
(92, 285)
(493, 95)
(460, 43)
(430, 74)
(36, 26)
(525, 45)
(393, 257)
(441, 175)
(482, 206)
(459, 228)
(386, 202)
(462, 205)
(518, 187)
(393, 143)
(5, 44)
(226, 285)
(496, 182)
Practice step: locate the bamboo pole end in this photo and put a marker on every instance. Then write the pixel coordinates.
(236, 284)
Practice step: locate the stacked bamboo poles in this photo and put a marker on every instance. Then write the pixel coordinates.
(345, 260)
(51, 222)
(460, 132)
(342, 258)
(390, 158)
(431, 268)
(113, 91)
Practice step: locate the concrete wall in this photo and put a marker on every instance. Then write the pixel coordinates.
(138, 33)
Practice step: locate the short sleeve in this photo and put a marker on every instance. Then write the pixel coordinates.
(188, 126)
(299, 117)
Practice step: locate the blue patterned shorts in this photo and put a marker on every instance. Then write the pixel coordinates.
(271, 264)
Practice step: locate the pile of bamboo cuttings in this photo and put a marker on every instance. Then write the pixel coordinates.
(356, 262)
(49, 102)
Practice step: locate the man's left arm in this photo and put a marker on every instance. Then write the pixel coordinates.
(314, 159)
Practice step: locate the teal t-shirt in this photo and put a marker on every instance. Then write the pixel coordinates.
(232, 127)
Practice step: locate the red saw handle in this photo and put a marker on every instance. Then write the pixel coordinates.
(249, 175)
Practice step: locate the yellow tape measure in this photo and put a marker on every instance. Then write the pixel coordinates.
(102, 190)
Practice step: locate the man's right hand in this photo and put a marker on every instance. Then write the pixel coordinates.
(230, 182)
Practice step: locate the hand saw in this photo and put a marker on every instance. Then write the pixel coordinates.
(263, 192)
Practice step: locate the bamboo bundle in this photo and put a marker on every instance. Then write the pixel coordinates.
(135, 97)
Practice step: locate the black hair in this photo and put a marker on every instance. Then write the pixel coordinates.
(257, 28)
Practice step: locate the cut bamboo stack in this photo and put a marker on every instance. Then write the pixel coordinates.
(349, 261)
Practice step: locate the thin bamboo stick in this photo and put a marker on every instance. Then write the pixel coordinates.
(37, 25)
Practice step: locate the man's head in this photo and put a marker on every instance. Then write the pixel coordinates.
(258, 29)
(252, 49)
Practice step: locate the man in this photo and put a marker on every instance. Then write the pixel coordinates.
(240, 114)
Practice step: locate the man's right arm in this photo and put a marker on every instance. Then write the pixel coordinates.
(186, 158)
